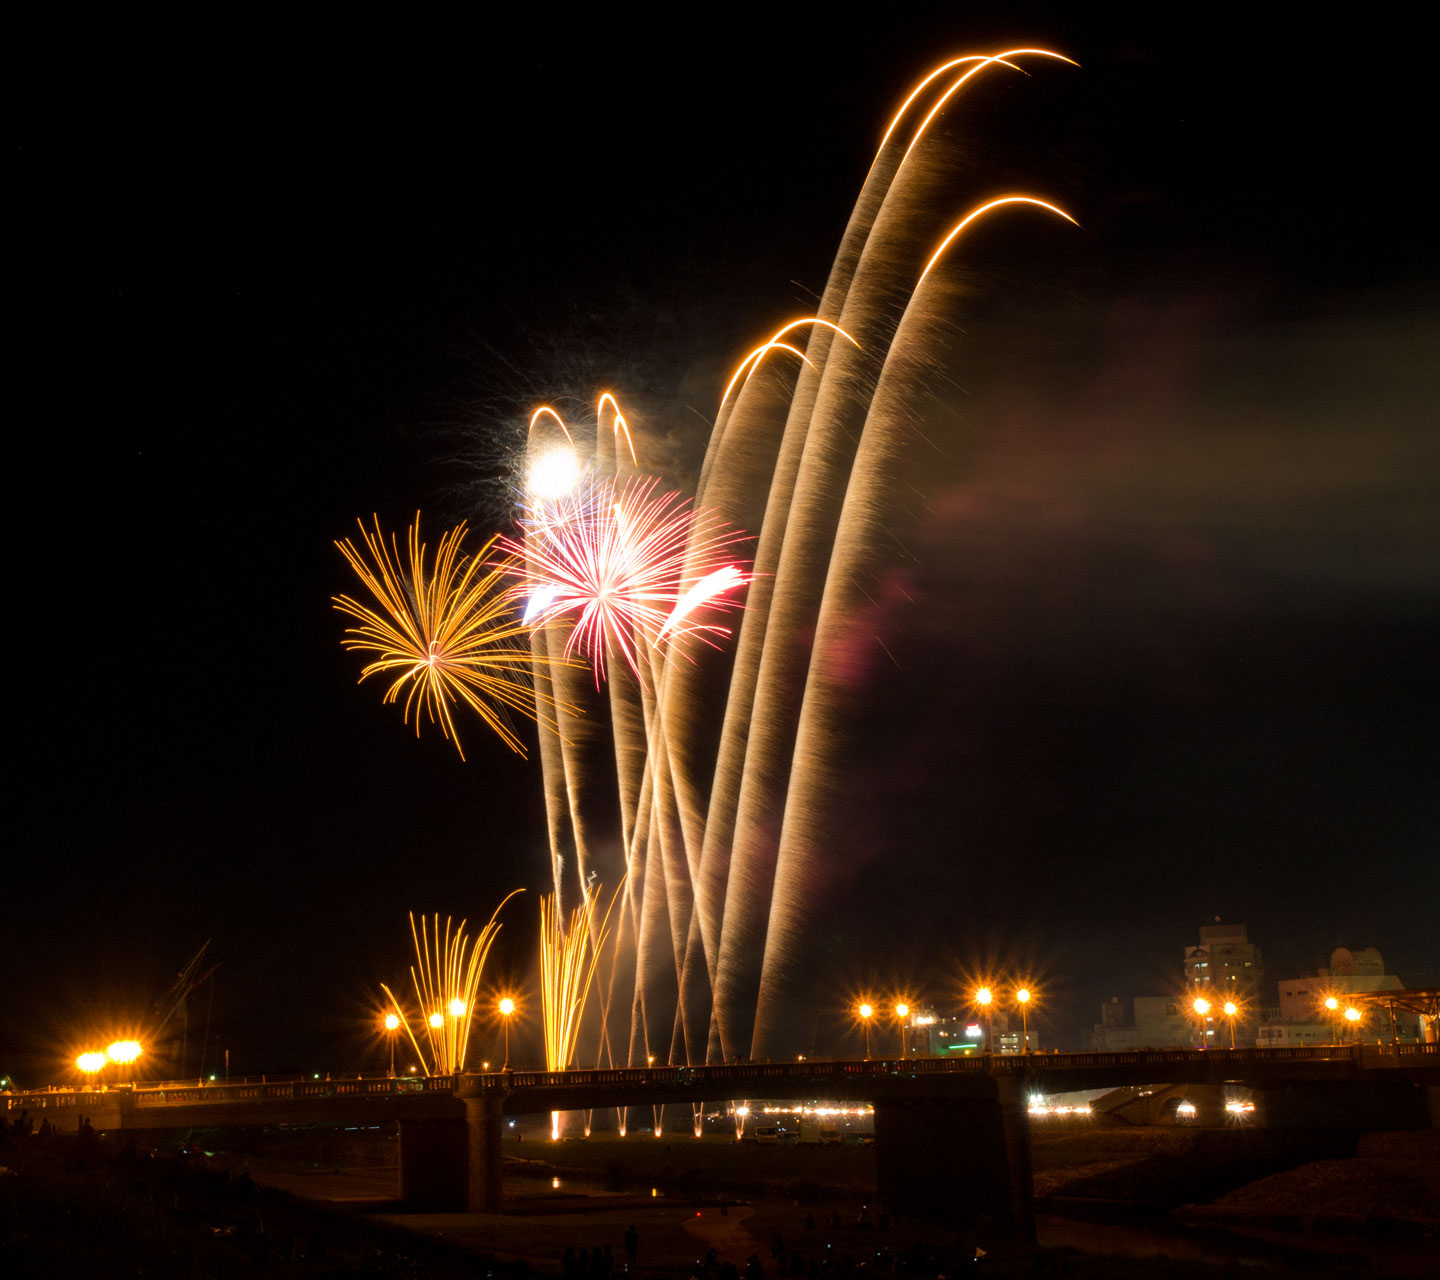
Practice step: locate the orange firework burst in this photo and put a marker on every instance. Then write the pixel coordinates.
(448, 635)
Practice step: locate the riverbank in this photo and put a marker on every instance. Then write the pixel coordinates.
(320, 1204)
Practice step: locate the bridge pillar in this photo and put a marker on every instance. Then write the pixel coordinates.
(432, 1164)
(484, 1124)
(959, 1159)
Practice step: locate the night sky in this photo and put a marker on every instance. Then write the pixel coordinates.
(1159, 638)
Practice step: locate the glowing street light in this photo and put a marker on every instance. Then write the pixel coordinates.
(437, 1020)
(392, 1024)
(1333, 1006)
(123, 1051)
(866, 1013)
(1352, 1016)
(1231, 1009)
(1202, 1008)
(1022, 998)
(902, 1011)
(507, 1008)
(984, 997)
(90, 1063)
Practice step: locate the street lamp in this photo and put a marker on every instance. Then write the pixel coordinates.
(1022, 998)
(984, 998)
(1333, 1005)
(124, 1053)
(507, 1007)
(91, 1063)
(1352, 1016)
(866, 1013)
(902, 1011)
(1231, 1009)
(1201, 1007)
(392, 1024)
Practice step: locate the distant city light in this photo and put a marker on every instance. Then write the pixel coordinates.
(973, 1031)
(437, 1020)
(391, 1022)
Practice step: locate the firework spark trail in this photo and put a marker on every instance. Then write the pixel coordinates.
(998, 59)
(724, 453)
(554, 470)
(798, 531)
(810, 502)
(569, 956)
(829, 698)
(735, 482)
(627, 726)
(721, 812)
(447, 633)
(446, 977)
(597, 528)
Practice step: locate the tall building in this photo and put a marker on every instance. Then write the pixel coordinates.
(1225, 965)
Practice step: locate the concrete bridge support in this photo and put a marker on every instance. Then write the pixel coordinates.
(962, 1159)
(484, 1126)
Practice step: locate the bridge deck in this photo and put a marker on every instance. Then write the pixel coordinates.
(168, 1104)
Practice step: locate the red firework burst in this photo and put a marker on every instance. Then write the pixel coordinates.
(626, 565)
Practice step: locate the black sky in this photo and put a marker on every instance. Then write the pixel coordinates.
(1160, 635)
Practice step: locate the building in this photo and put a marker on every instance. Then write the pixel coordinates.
(1225, 965)
(934, 1035)
(1303, 1018)
(1155, 1022)
(1302, 999)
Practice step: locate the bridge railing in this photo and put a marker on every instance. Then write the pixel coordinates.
(738, 1079)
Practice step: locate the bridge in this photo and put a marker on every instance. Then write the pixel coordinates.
(926, 1109)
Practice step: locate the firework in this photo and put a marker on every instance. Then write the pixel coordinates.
(568, 960)
(446, 633)
(726, 769)
(747, 366)
(446, 977)
(619, 562)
